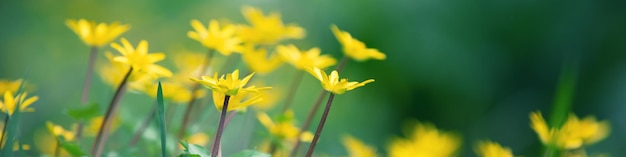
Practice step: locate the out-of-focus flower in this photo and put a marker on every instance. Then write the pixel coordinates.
(257, 59)
(303, 59)
(284, 128)
(46, 143)
(94, 34)
(222, 39)
(333, 84)
(267, 30)
(188, 64)
(492, 149)
(139, 59)
(113, 73)
(11, 86)
(270, 99)
(57, 130)
(230, 85)
(92, 128)
(356, 148)
(9, 104)
(425, 140)
(354, 48)
(171, 91)
(573, 134)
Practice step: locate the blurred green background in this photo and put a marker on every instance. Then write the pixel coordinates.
(477, 68)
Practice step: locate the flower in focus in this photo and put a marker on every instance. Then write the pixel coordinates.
(573, 134)
(354, 48)
(114, 73)
(139, 59)
(267, 30)
(58, 131)
(426, 141)
(356, 148)
(9, 104)
(92, 128)
(239, 101)
(257, 59)
(222, 39)
(492, 149)
(333, 84)
(11, 86)
(304, 59)
(94, 34)
(229, 85)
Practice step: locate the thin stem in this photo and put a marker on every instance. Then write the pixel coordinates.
(342, 63)
(86, 87)
(187, 115)
(144, 126)
(57, 150)
(220, 128)
(297, 78)
(103, 133)
(4, 130)
(307, 122)
(318, 132)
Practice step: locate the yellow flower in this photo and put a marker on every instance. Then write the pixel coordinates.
(573, 134)
(230, 85)
(237, 102)
(199, 139)
(304, 59)
(425, 141)
(222, 39)
(10, 103)
(333, 84)
(258, 61)
(267, 30)
(94, 34)
(356, 148)
(270, 99)
(139, 59)
(188, 64)
(354, 48)
(492, 149)
(57, 130)
(171, 91)
(46, 143)
(93, 127)
(11, 86)
(284, 129)
(114, 73)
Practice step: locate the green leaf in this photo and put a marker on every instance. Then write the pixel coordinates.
(12, 122)
(161, 119)
(194, 150)
(84, 112)
(71, 147)
(250, 153)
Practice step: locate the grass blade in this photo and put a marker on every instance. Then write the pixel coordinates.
(13, 121)
(161, 119)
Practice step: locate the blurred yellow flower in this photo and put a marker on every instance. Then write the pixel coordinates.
(492, 149)
(188, 64)
(267, 30)
(46, 143)
(573, 134)
(356, 148)
(199, 139)
(332, 83)
(57, 130)
(239, 101)
(425, 141)
(284, 128)
(11, 86)
(230, 85)
(270, 99)
(9, 104)
(171, 91)
(113, 74)
(222, 39)
(258, 61)
(303, 59)
(139, 59)
(94, 34)
(354, 48)
(92, 128)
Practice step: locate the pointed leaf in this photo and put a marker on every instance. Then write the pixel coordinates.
(161, 119)
(84, 112)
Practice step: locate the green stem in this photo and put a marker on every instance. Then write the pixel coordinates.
(318, 132)
(103, 133)
(4, 130)
(57, 149)
(196, 86)
(342, 63)
(297, 78)
(218, 137)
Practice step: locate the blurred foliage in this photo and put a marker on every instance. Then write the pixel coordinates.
(476, 67)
